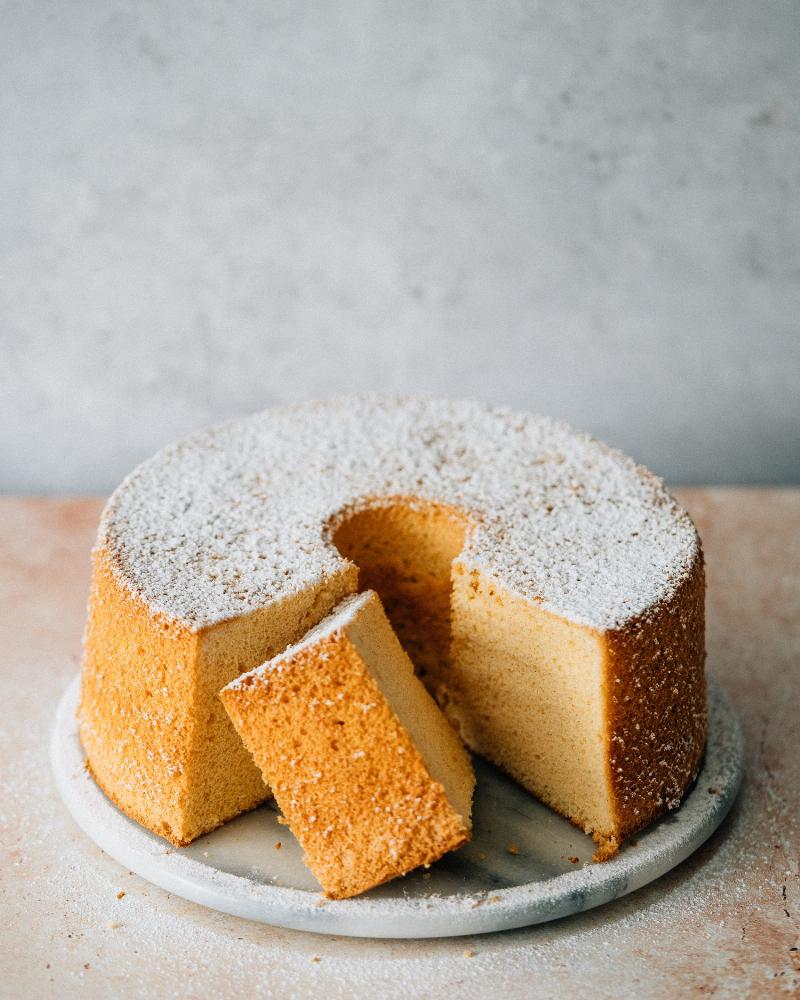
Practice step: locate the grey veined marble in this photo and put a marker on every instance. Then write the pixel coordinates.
(484, 886)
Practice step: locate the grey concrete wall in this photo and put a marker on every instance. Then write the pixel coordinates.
(585, 209)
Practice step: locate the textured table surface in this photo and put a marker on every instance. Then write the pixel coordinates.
(725, 923)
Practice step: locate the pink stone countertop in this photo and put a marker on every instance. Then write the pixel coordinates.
(724, 923)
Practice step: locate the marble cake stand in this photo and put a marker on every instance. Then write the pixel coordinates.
(525, 865)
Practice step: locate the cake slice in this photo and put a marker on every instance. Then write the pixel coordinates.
(367, 771)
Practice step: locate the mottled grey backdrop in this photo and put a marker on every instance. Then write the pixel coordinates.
(585, 209)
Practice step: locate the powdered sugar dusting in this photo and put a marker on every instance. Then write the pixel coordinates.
(235, 517)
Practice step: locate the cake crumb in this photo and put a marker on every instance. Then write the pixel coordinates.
(113, 925)
(315, 958)
(481, 855)
(512, 848)
(573, 859)
(468, 953)
(120, 894)
(277, 845)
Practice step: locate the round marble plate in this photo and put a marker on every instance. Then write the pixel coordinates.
(524, 865)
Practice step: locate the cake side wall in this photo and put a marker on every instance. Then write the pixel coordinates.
(656, 705)
(135, 714)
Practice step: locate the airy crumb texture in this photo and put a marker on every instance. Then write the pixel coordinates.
(367, 796)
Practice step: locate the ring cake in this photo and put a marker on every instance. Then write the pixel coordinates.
(365, 768)
(548, 589)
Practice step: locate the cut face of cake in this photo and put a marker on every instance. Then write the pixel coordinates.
(372, 780)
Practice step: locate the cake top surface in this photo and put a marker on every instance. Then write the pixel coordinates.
(235, 517)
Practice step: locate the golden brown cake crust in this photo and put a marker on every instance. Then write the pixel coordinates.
(352, 785)
(656, 706)
(135, 710)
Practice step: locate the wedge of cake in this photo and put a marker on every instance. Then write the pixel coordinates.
(367, 771)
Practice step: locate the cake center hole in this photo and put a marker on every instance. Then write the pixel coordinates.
(405, 553)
